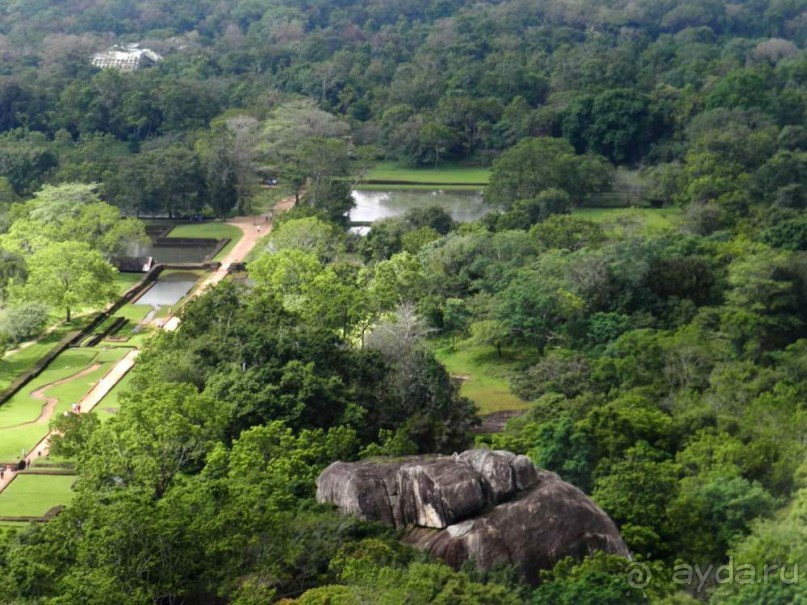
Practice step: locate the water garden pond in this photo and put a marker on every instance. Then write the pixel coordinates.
(169, 289)
(167, 246)
(181, 254)
(370, 206)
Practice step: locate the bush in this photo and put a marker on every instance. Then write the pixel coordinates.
(24, 322)
(556, 373)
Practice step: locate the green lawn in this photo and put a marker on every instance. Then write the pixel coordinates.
(23, 408)
(213, 230)
(14, 364)
(135, 340)
(109, 405)
(134, 313)
(483, 374)
(110, 355)
(34, 495)
(446, 173)
(124, 281)
(618, 219)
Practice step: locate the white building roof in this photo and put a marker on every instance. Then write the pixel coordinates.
(125, 58)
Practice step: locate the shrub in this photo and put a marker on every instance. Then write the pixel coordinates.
(24, 321)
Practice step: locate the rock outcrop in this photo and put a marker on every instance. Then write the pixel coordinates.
(488, 506)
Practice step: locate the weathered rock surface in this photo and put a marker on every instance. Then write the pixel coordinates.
(438, 492)
(489, 506)
(496, 470)
(362, 490)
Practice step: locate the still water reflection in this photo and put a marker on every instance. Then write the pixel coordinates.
(169, 289)
(464, 206)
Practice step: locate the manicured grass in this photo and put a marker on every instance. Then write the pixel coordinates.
(34, 495)
(14, 526)
(258, 249)
(22, 408)
(109, 405)
(213, 230)
(618, 219)
(134, 313)
(69, 362)
(135, 340)
(483, 373)
(15, 363)
(444, 173)
(124, 281)
(109, 355)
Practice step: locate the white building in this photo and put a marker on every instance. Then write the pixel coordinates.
(126, 58)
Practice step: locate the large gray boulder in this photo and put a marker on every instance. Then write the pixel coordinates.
(533, 532)
(439, 492)
(487, 506)
(495, 470)
(366, 491)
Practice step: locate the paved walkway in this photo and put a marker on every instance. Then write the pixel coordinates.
(87, 403)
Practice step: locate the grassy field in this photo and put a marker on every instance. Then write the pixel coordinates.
(483, 374)
(14, 363)
(448, 174)
(124, 281)
(22, 408)
(17, 362)
(134, 313)
(34, 495)
(213, 230)
(109, 405)
(619, 219)
(133, 340)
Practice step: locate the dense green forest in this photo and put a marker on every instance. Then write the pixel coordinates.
(664, 369)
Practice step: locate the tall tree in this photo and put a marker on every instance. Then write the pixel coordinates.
(534, 165)
(68, 275)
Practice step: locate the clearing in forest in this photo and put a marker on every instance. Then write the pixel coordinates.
(483, 374)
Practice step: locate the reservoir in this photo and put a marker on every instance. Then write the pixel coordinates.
(169, 289)
(371, 205)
